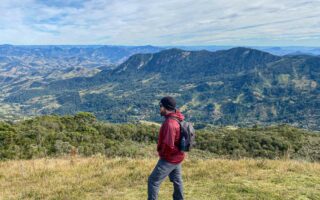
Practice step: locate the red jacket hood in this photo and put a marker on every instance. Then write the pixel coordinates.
(176, 114)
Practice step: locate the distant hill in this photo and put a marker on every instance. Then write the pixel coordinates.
(33, 66)
(239, 86)
(280, 51)
(58, 62)
(94, 53)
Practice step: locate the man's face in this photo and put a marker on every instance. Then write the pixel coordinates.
(162, 110)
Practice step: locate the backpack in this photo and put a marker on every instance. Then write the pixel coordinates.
(187, 135)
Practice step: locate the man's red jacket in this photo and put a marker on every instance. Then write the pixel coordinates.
(168, 139)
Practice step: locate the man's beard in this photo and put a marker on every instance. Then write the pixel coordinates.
(162, 113)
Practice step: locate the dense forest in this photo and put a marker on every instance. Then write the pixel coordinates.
(83, 134)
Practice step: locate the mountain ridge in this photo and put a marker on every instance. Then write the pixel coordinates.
(164, 59)
(239, 86)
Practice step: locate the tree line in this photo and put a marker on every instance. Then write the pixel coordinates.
(54, 135)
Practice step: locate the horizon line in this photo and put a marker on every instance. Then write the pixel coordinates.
(125, 45)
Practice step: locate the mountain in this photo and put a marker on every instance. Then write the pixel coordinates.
(50, 62)
(28, 67)
(280, 51)
(108, 54)
(174, 63)
(239, 86)
(299, 50)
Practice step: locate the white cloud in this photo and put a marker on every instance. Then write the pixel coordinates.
(167, 22)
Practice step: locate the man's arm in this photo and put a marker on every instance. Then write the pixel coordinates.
(167, 144)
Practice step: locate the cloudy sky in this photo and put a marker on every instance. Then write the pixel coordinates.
(165, 22)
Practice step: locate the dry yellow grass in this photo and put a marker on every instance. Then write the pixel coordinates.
(124, 178)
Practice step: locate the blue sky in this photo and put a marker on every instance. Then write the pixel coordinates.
(165, 22)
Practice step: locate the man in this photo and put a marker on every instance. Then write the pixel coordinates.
(171, 157)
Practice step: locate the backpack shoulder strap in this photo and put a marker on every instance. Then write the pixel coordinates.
(175, 119)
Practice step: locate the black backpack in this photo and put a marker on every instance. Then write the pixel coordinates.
(187, 135)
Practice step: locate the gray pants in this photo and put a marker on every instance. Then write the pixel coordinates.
(159, 173)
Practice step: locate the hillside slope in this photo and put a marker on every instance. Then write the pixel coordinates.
(239, 86)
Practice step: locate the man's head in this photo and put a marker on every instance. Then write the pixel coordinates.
(167, 104)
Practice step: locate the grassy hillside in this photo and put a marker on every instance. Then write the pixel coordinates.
(79, 157)
(124, 178)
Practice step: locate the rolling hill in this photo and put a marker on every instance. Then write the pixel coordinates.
(239, 86)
